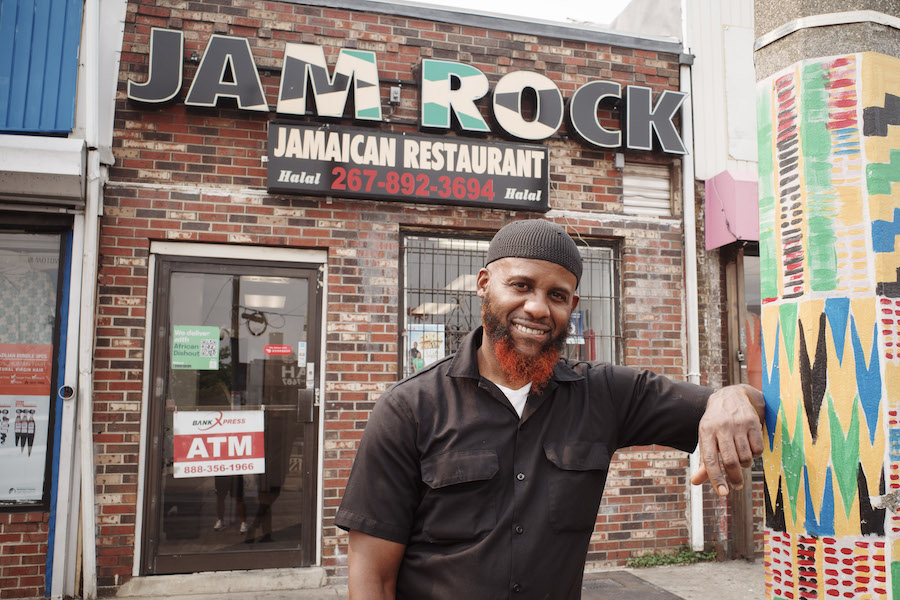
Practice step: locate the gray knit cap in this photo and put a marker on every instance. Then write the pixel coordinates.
(537, 239)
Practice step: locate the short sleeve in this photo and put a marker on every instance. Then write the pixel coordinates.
(383, 489)
(653, 409)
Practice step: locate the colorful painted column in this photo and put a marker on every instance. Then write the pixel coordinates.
(829, 181)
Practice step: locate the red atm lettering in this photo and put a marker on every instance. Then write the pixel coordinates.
(219, 446)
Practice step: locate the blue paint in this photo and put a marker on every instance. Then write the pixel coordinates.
(39, 41)
(868, 378)
(825, 523)
(884, 232)
(57, 403)
(837, 310)
(771, 387)
(894, 444)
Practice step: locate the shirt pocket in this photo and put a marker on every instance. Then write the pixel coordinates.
(458, 504)
(577, 475)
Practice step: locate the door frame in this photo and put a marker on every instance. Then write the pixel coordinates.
(291, 257)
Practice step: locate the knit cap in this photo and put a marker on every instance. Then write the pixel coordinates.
(538, 239)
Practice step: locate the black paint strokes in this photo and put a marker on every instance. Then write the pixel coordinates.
(813, 378)
(876, 119)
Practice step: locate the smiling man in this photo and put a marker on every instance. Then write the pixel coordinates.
(480, 476)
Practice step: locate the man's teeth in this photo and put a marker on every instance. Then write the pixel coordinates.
(529, 330)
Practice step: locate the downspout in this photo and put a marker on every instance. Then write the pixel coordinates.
(691, 320)
(91, 53)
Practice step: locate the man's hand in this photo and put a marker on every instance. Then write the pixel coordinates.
(730, 436)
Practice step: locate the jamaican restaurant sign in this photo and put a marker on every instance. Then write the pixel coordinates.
(432, 168)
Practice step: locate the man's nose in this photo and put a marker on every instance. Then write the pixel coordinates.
(537, 307)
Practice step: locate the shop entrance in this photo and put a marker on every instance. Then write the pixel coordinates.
(233, 417)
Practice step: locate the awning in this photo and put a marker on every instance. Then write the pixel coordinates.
(732, 209)
(42, 171)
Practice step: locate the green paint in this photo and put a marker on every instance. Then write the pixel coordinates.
(788, 315)
(436, 115)
(845, 453)
(361, 54)
(880, 176)
(369, 113)
(815, 143)
(792, 457)
(440, 70)
(471, 123)
(768, 264)
(895, 580)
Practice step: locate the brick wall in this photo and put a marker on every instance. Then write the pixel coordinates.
(23, 554)
(195, 175)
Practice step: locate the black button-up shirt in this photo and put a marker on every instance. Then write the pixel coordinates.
(493, 506)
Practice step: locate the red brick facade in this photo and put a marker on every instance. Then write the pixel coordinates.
(195, 175)
(23, 553)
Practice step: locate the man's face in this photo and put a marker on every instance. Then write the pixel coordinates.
(533, 299)
(526, 305)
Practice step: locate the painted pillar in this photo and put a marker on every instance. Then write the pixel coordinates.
(828, 110)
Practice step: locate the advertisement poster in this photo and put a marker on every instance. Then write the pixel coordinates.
(195, 347)
(25, 369)
(426, 344)
(211, 443)
(24, 422)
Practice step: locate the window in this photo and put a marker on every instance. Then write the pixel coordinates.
(29, 273)
(441, 306)
(646, 190)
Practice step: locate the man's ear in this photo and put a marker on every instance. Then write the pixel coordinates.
(481, 282)
(575, 299)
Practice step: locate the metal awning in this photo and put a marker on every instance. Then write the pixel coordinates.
(42, 171)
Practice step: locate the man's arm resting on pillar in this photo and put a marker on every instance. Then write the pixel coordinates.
(730, 436)
(373, 566)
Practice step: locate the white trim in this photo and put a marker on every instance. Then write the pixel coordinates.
(239, 252)
(145, 411)
(63, 582)
(320, 477)
(826, 20)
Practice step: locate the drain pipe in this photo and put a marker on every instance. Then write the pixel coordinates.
(91, 53)
(689, 214)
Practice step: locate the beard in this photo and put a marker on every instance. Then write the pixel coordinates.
(521, 368)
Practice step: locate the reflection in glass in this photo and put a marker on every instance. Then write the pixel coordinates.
(262, 329)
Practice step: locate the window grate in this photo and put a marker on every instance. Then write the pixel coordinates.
(441, 306)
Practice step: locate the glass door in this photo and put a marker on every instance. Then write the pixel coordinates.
(232, 454)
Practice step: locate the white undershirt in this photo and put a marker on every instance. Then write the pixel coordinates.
(516, 397)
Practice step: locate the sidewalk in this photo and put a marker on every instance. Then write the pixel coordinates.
(733, 580)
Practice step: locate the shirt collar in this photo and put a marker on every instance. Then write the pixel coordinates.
(465, 361)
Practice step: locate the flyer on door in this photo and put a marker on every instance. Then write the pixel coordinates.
(217, 443)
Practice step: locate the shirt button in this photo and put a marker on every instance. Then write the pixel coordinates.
(517, 588)
(520, 529)
(520, 476)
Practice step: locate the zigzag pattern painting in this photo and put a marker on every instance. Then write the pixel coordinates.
(829, 147)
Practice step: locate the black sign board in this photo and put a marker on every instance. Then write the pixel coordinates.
(405, 167)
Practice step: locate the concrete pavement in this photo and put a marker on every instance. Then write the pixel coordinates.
(733, 580)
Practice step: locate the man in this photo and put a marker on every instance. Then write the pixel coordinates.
(480, 476)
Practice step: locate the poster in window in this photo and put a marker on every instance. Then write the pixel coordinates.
(217, 443)
(24, 424)
(426, 344)
(195, 347)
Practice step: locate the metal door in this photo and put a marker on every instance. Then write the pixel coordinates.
(233, 418)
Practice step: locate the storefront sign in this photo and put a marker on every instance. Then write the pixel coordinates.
(218, 443)
(195, 347)
(447, 93)
(340, 161)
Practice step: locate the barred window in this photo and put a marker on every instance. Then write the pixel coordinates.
(440, 305)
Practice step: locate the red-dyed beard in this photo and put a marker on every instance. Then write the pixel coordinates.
(521, 368)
